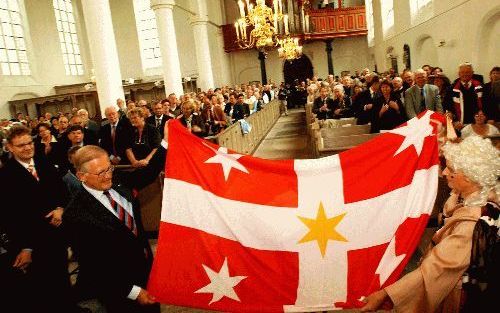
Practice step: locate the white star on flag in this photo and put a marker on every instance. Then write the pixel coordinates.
(414, 132)
(221, 284)
(228, 161)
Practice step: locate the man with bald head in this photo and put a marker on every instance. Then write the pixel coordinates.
(104, 228)
(87, 122)
(467, 96)
(114, 135)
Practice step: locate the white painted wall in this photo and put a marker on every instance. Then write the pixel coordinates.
(470, 29)
(45, 56)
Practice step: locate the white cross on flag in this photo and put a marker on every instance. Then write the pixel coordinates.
(244, 234)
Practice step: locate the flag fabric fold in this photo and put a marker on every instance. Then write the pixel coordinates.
(244, 234)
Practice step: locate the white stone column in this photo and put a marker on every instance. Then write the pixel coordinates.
(202, 44)
(168, 45)
(291, 17)
(97, 15)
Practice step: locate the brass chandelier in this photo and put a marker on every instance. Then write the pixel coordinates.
(265, 32)
(264, 21)
(289, 48)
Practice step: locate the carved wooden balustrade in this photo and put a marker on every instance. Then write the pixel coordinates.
(324, 24)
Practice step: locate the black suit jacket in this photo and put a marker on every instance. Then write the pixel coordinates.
(123, 134)
(111, 258)
(318, 103)
(237, 114)
(161, 128)
(364, 98)
(26, 201)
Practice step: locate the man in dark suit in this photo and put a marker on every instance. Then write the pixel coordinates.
(159, 118)
(33, 200)
(363, 106)
(323, 105)
(90, 136)
(245, 107)
(234, 109)
(491, 96)
(104, 227)
(115, 135)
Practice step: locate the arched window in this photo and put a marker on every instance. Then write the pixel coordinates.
(13, 55)
(148, 34)
(369, 23)
(68, 38)
(387, 8)
(406, 56)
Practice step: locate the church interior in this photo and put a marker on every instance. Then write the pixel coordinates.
(275, 79)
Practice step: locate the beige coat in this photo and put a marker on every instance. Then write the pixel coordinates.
(435, 286)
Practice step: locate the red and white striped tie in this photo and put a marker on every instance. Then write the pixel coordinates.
(123, 215)
(32, 170)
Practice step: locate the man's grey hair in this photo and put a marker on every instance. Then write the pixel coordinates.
(87, 154)
(111, 108)
(466, 64)
(420, 72)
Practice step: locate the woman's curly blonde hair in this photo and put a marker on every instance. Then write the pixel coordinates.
(479, 161)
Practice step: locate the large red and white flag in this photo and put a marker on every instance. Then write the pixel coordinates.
(244, 234)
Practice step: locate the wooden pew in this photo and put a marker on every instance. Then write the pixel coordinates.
(318, 135)
(330, 146)
(333, 123)
(345, 131)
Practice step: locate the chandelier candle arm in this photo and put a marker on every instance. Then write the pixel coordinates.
(242, 8)
(285, 21)
(264, 22)
(237, 30)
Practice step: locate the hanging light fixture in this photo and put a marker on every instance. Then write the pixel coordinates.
(264, 21)
(289, 48)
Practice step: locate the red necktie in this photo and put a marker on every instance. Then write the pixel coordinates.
(113, 137)
(32, 170)
(123, 215)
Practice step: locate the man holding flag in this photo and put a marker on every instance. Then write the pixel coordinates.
(104, 227)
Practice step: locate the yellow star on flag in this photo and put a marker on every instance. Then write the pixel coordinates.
(322, 229)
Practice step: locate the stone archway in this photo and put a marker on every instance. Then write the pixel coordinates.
(426, 51)
(300, 69)
(487, 42)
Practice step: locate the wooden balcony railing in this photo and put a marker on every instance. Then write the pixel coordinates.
(332, 23)
(323, 24)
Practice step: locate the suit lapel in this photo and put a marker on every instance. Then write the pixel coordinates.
(23, 174)
(99, 212)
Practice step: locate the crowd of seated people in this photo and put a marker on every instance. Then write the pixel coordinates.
(388, 99)
(131, 130)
